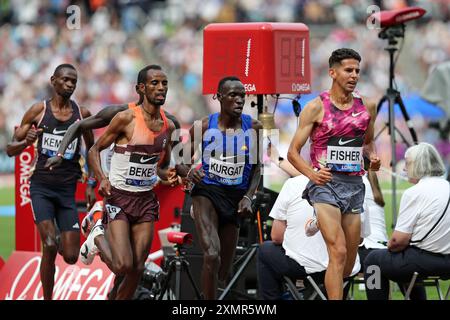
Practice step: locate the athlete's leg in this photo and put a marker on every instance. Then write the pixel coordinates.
(141, 237)
(206, 225)
(351, 224)
(70, 243)
(101, 242)
(329, 218)
(68, 223)
(228, 235)
(121, 250)
(47, 232)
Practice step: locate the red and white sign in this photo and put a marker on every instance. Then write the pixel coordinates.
(27, 235)
(20, 280)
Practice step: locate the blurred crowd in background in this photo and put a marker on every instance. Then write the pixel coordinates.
(117, 38)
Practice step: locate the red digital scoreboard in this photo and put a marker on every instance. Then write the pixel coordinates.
(269, 58)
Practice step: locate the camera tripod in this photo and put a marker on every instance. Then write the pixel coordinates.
(178, 264)
(392, 96)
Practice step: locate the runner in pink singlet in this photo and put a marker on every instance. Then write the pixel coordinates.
(340, 125)
(337, 141)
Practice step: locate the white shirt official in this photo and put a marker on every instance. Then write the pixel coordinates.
(420, 207)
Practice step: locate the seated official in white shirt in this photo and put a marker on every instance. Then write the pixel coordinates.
(421, 239)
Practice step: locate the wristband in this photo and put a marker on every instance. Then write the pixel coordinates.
(92, 182)
(248, 198)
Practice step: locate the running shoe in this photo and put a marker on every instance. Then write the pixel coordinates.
(88, 249)
(91, 218)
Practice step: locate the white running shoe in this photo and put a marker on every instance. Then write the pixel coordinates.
(311, 227)
(88, 249)
(88, 221)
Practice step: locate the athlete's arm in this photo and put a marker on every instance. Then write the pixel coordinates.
(27, 133)
(369, 143)
(245, 205)
(88, 137)
(195, 140)
(99, 120)
(114, 130)
(175, 137)
(374, 183)
(163, 171)
(310, 115)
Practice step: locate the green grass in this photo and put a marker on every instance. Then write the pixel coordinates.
(7, 224)
(397, 295)
(7, 236)
(6, 196)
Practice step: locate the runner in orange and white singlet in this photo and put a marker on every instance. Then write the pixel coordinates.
(142, 148)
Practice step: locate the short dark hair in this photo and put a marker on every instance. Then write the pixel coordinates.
(63, 66)
(142, 75)
(341, 54)
(225, 79)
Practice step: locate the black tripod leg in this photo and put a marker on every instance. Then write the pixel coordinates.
(250, 255)
(380, 104)
(177, 280)
(191, 279)
(166, 284)
(399, 101)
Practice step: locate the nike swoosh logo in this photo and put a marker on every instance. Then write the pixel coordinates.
(58, 131)
(356, 114)
(341, 143)
(221, 157)
(143, 160)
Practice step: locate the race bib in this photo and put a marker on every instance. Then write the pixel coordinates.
(226, 173)
(142, 170)
(112, 211)
(51, 143)
(344, 154)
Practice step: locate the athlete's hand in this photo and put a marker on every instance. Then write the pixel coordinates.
(53, 162)
(196, 175)
(375, 163)
(322, 176)
(105, 188)
(90, 197)
(245, 208)
(172, 177)
(32, 135)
